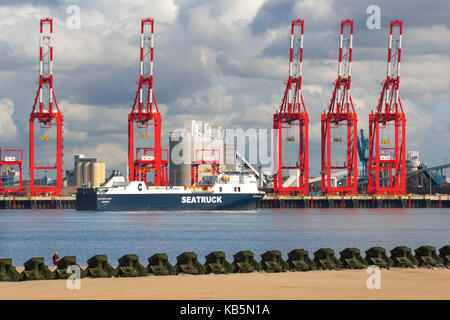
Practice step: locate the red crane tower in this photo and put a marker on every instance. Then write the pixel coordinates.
(144, 114)
(387, 157)
(46, 113)
(338, 116)
(292, 115)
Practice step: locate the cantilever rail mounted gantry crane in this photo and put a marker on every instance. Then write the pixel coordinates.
(46, 112)
(341, 113)
(387, 153)
(292, 115)
(145, 114)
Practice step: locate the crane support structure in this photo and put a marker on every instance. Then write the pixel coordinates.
(145, 114)
(46, 112)
(341, 113)
(213, 161)
(386, 153)
(292, 115)
(11, 162)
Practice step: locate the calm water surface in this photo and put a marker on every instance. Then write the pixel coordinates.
(28, 233)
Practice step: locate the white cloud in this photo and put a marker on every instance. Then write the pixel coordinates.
(94, 116)
(162, 10)
(215, 100)
(431, 36)
(113, 154)
(318, 10)
(237, 12)
(75, 136)
(8, 128)
(417, 121)
(425, 77)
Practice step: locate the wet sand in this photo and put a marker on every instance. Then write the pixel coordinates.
(346, 284)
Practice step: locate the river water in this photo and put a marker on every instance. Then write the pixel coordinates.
(38, 233)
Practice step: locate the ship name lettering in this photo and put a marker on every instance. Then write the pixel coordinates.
(201, 199)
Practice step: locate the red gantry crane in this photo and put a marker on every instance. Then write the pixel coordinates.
(292, 116)
(46, 113)
(10, 159)
(387, 153)
(341, 114)
(145, 114)
(213, 160)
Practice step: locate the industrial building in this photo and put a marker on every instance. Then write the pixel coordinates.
(424, 179)
(196, 150)
(88, 172)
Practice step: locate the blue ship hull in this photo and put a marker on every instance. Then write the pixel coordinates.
(89, 199)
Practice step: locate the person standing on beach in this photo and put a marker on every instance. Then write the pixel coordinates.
(55, 258)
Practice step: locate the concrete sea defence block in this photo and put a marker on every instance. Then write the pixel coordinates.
(98, 267)
(35, 269)
(63, 264)
(402, 257)
(427, 257)
(129, 266)
(377, 256)
(217, 263)
(299, 260)
(159, 265)
(7, 271)
(187, 263)
(325, 260)
(351, 259)
(272, 261)
(444, 253)
(244, 262)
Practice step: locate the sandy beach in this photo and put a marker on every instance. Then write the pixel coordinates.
(345, 284)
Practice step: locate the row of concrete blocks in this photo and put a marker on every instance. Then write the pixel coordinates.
(244, 262)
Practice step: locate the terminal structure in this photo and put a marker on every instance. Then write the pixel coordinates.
(387, 173)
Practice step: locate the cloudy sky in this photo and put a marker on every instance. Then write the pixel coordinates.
(223, 61)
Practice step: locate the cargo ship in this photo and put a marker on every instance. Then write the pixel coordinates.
(233, 190)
